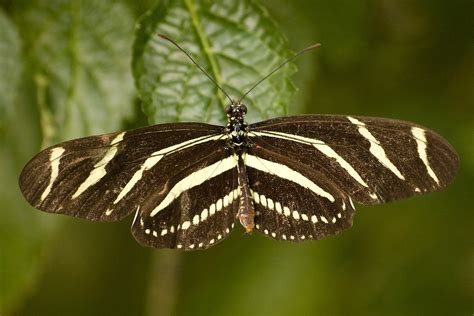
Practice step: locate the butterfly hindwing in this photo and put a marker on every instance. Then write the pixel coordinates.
(197, 209)
(106, 177)
(374, 160)
(292, 201)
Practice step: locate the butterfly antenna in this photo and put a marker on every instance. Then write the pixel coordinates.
(196, 64)
(304, 50)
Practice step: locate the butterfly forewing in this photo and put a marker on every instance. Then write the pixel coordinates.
(106, 177)
(373, 160)
(293, 201)
(195, 208)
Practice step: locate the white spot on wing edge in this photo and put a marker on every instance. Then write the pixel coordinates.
(420, 138)
(263, 200)
(296, 215)
(270, 204)
(204, 214)
(285, 172)
(196, 178)
(54, 159)
(212, 209)
(256, 197)
(219, 205)
(375, 149)
(278, 208)
(186, 225)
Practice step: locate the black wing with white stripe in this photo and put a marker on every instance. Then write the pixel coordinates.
(373, 160)
(182, 179)
(197, 208)
(304, 170)
(294, 201)
(107, 177)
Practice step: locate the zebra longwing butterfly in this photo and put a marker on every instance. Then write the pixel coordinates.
(290, 178)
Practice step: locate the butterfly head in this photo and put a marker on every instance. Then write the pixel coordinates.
(236, 111)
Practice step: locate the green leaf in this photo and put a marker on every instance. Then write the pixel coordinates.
(10, 64)
(235, 41)
(81, 61)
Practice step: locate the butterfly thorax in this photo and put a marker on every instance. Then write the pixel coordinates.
(237, 128)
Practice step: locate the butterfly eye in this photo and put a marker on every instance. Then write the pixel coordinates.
(228, 109)
(243, 108)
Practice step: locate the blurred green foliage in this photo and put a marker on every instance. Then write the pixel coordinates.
(66, 71)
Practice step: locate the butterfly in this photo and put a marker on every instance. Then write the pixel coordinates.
(291, 178)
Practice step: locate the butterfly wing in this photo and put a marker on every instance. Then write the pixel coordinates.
(374, 160)
(107, 177)
(293, 201)
(195, 208)
(317, 164)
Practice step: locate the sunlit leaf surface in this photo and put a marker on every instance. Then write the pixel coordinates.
(233, 40)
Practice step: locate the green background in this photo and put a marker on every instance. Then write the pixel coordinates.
(410, 60)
